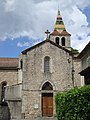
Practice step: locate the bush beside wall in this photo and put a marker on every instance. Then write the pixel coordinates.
(74, 104)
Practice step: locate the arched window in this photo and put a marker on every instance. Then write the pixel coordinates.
(3, 91)
(57, 40)
(63, 41)
(47, 86)
(47, 64)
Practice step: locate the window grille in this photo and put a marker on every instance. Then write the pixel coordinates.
(47, 64)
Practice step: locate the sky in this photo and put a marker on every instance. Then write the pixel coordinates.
(23, 23)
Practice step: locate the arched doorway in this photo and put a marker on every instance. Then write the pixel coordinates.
(47, 100)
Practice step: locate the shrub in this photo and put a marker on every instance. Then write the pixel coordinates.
(74, 104)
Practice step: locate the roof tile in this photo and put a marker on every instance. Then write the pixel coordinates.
(8, 62)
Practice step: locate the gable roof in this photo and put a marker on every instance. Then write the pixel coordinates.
(9, 63)
(55, 32)
(63, 33)
(84, 51)
(85, 71)
(45, 41)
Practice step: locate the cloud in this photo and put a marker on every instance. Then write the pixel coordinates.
(31, 18)
(23, 44)
(77, 25)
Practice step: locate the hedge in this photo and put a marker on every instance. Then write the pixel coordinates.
(74, 104)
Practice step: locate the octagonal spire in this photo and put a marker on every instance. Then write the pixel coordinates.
(59, 25)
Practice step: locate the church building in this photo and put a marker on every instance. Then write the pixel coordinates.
(28, 84)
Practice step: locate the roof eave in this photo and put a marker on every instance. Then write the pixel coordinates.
(85, 71)
(84, 51)
(47, 40)
(8, 68)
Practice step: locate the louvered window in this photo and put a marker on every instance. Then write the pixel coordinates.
(63, 41)
(47, 64)
(57, 40)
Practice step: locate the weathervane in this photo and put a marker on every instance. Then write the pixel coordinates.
(47, 33)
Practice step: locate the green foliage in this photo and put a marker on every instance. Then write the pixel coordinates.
(74, 104)
(74, 51)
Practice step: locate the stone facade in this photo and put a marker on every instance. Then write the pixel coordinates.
(60, 76)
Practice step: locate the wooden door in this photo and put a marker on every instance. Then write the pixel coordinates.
(47, 104)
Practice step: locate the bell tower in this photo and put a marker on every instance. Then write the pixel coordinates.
(60, 36)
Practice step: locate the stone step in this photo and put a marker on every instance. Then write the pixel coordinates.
(47, 118)
(42, 118)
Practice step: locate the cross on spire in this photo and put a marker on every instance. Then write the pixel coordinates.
(58, 12)
(47, 33)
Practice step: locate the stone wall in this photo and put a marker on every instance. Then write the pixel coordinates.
(67, 40)
(12, 95)
(15, 109)
(13, 92)
(10, 76)
(77, 68)
(4, 113)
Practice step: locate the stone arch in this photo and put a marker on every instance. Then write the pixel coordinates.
(47, 86)
(63, 41)
(57, 40)
(47, 81)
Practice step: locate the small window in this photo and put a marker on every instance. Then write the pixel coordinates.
(47, 64)
(88, 61)
(57, 40)
(21, 64)
(63, 41)
(3, 91)
(47, 86)
(59, 22)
